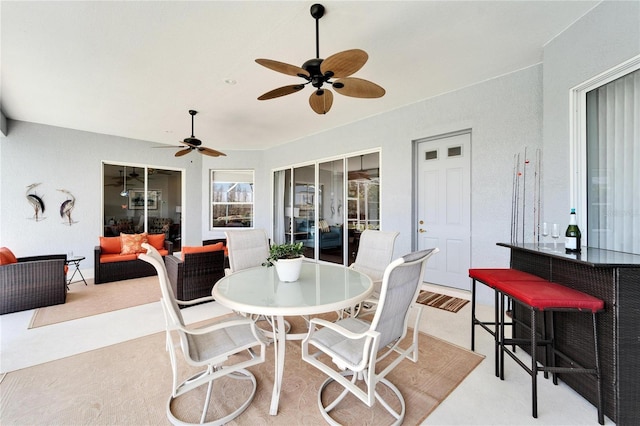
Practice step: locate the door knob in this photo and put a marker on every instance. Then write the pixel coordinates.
(421, 230)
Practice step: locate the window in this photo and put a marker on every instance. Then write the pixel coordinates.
(232, 198)
(606, 158)
(613, 165)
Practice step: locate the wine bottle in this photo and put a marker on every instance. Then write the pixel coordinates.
(572, 241)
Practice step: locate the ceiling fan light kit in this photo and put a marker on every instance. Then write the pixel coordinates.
(319, 72)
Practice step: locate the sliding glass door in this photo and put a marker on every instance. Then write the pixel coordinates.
(142, 199)
(326, 205)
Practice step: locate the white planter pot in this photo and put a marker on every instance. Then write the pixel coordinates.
(289, 269)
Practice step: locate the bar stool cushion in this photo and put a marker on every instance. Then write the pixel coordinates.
(543, 295)
(491, 276)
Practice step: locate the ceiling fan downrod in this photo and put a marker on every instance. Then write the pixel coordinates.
(193, 113)
(317, 11)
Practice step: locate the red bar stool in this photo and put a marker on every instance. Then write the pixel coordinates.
(490, 277)
(549, 297)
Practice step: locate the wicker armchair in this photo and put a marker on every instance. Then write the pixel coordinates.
(194, 277)
(33, 282)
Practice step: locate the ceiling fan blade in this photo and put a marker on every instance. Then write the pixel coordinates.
(183, 152)
(343, 64)
(281, 91)
(211, 152)
(358, 88)
(321, 101)
(283, 68)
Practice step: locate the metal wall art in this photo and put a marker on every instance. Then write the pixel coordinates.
(36, 202)
(66, 207)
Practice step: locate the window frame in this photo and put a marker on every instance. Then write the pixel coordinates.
(578, 134)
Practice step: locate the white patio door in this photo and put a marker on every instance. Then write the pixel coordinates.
(444, 207)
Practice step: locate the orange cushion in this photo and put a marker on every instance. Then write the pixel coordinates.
(202, 249)
(132, 243)
(7, 257)
(156, 241)
(110, 258)
(110, 245)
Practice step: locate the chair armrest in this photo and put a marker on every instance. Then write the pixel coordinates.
(175, 272)
(168, 245)
(341, 330)
(96, 265)
(43, 257)
(224, 323)
(195, 301)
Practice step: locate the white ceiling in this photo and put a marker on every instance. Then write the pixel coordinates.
(134, 69)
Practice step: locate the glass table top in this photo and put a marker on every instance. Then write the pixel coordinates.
(321, 288)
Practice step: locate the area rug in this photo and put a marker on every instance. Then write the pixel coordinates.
(91, 299)
(129, 383)
(441, 301)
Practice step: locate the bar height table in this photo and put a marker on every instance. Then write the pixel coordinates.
(613, 277)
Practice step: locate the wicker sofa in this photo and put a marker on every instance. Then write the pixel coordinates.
(33, 282)
(109, 265)
(195, 275)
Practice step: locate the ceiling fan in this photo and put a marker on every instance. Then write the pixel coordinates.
(194, 143)
(118, 180)
(134, 175)
(361, 174)
(318, 71)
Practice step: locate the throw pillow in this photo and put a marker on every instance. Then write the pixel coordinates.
(132, 243)
(110, 245)
(7, 257)
(324, 226)
(202, 249)
(156, 241)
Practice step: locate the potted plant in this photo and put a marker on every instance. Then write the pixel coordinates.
(287, 259)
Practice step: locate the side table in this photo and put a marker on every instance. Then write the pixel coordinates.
(75, 261)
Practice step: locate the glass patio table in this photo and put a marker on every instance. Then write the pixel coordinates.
(321, 288)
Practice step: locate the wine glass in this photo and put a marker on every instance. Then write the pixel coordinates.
(555, 233)
(545, 231)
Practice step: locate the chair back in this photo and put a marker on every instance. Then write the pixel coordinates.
(173, 316)
(247, 249)
(400, 287)
(374, 252)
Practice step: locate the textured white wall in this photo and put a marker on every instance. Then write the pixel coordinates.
(602, 39)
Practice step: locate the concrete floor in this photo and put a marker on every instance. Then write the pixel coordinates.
(481, 399)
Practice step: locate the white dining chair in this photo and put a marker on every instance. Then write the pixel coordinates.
(247, 249)
(375, 251)
(213, 346)
(355, 346)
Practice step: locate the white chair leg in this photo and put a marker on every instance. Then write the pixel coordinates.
(184, 388)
